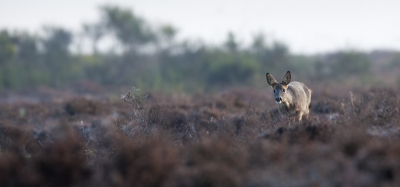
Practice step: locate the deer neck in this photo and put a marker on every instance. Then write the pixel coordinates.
(287, 103)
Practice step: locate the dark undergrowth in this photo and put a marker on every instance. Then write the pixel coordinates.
(234, 138)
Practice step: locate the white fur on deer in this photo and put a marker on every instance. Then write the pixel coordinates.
(293, 98)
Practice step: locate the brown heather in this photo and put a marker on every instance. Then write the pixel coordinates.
(231, 138)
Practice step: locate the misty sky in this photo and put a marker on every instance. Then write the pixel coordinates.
(307, 26)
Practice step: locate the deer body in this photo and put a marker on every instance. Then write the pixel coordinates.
(293, 98)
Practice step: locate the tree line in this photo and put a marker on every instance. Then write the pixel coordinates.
(150, 57)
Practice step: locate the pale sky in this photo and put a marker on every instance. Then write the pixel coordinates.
(306, 26)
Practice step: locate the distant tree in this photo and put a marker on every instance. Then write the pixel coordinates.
(131, 30)
(348, 62)
(259, 46)
(229, 68)
(28, 51)
(8, 51)
(168, 32)
(343, 64)
(7, 46)
(18, 59)
(94, 32)
(57, 40)
(167, 35)
(275, 56)
(395, 62)
(231, 44)
(279, 54)
(28, 59)
(57, 57)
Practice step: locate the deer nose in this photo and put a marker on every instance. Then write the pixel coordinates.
(278, 99)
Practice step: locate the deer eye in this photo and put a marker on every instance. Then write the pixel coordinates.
(283, 90)
(274, 91)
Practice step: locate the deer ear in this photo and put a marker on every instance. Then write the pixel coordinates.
(271, 80)
(287, 78)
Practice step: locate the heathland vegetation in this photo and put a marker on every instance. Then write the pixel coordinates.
(229, 138)
(205, 116)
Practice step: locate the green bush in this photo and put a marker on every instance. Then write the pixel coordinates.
(231, 68)
(343, 64)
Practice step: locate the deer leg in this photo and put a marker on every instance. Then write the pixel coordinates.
(307, 113)
(300, 115)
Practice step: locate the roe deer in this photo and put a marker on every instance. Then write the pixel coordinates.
(292, 97)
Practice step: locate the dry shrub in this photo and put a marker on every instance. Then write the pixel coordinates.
(325, 105)
(60, 164)
(12, 138)
(378, 106)
(63, 164)
(204, 141)
(147, 163)
(83, 106)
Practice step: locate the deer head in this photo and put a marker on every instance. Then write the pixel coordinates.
(280, 89)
